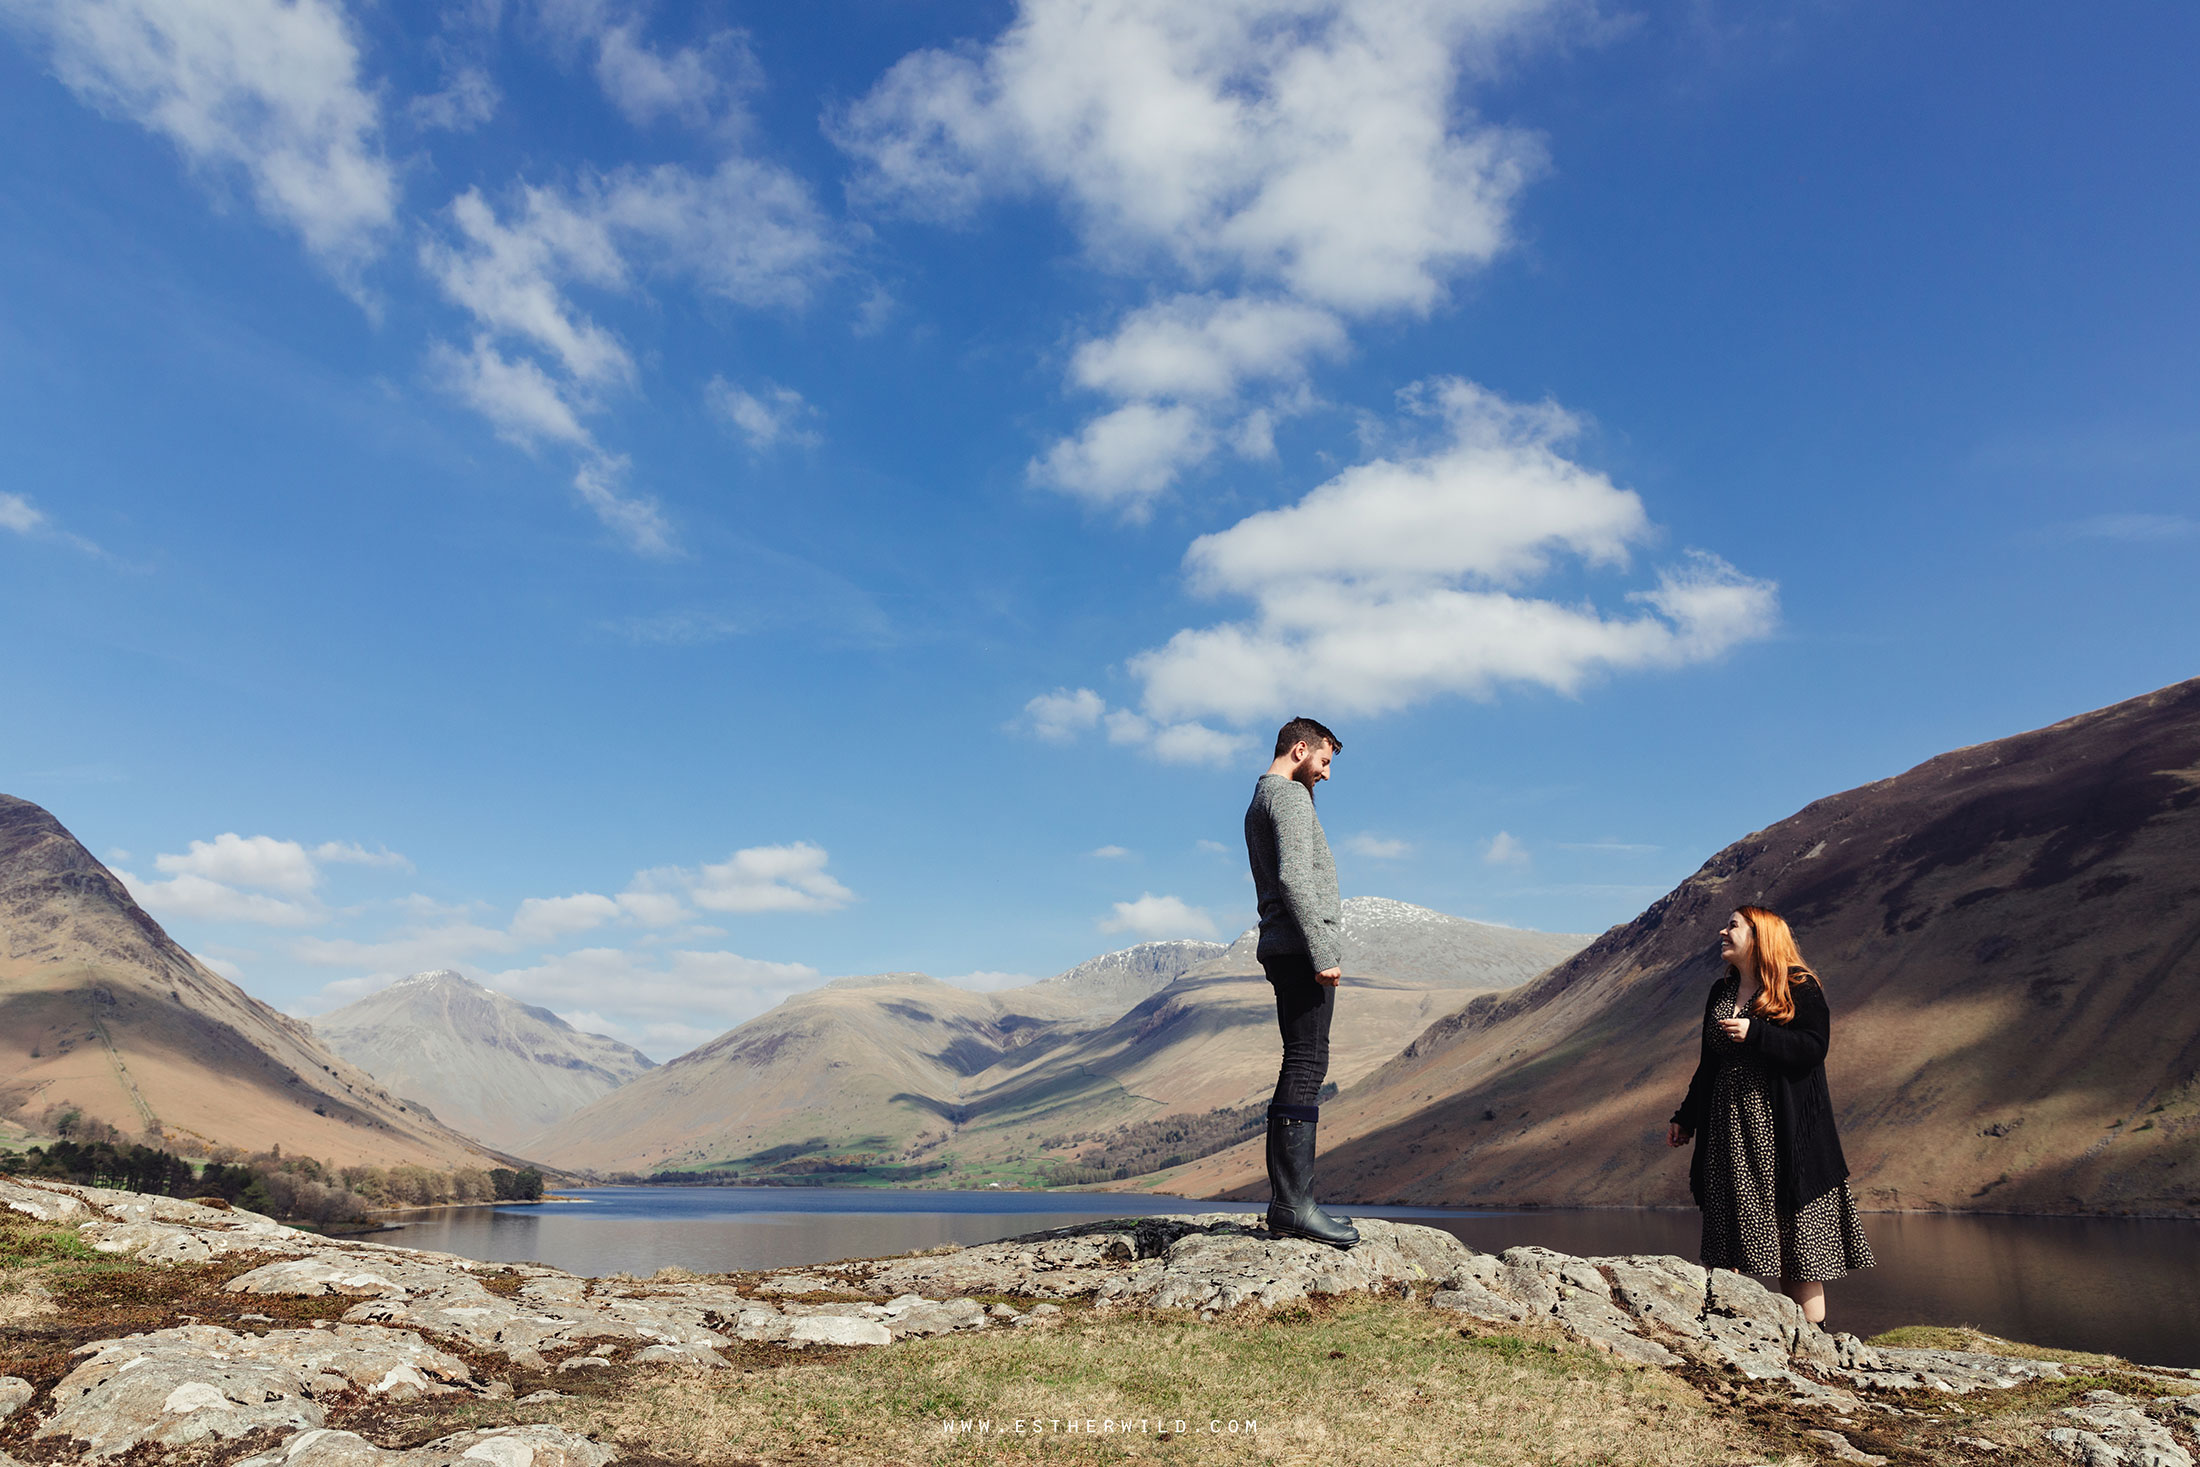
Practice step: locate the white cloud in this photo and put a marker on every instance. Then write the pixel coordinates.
(636, 519)
(1155, 917)
(193, 897)
(1504, 850)
(986, 981)
(654, 908)
(765, 420)
(1616, 847)
(351, 853)
(544, 919)
(1396, 582)
(1377, 847)
(232, 971)
(1110, 853)
(467, 100)
(747, 231)
(1126, 727)
(417, 950)
(260, 860)
(509, 275)
(1195, 743)
(1205, 346)
(539, 365)
(1315, 154)
(789, 878)
(1063, 714)
(1210, 847)
(1493, 504)
(655, 1000)
(1122, 459)
(25, 518)
(1315, 144)
(1181, 363)
(269, 89)
(520, 400)
(687, 83)
(19, 514)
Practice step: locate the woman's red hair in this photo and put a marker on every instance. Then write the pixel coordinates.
(1779, 963)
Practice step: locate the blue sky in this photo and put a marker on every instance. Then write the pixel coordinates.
(653, 506)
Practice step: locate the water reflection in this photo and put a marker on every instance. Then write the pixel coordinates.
(639, 1230)
(2078, 1283)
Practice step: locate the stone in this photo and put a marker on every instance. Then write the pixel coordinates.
(175, 1386)
(505, 1446)
(15, 1394)
(836, 1329)
(2112, 1431)
(1209, 1261)
(1844, 1450)
(936, 1319)
(698, 1356)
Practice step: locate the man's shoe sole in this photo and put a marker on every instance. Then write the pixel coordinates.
(1290, 1232)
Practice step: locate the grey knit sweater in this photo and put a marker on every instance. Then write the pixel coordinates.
(1293, 874)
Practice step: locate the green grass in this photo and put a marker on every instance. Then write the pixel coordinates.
(25, 1244)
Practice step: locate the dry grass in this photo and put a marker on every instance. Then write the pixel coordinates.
(1962, 1337)
(1367, 1381)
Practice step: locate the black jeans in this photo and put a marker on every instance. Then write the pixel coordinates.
(1304, 1006)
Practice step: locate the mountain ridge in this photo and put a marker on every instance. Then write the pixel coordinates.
(487, 1064)
(906, 1067)
(102, 1012)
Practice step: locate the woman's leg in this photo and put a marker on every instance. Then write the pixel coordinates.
(1808, 1293)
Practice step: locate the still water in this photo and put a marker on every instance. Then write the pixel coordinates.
(2127, 1288)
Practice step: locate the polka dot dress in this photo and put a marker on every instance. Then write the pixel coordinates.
(1743, 1227)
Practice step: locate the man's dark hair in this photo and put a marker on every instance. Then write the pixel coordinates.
(1307, 731)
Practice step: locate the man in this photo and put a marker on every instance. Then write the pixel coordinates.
(1301, 951)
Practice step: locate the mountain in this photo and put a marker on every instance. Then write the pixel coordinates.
(1417, 945)
(101, 1012)
(1114, 981)
(2009, 936)
(488, 1066)
(904, 1066)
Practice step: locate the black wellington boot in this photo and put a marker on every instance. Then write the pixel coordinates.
(1292, 1210)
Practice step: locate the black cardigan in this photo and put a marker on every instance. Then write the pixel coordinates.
(1808, 1150)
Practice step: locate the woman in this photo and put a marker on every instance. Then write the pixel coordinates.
(1768, 1171)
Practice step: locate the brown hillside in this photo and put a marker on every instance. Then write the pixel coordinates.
(2010, 939)
(101, 1011)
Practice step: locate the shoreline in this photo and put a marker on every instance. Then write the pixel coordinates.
(1470, 1208)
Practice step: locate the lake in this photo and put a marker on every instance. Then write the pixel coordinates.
(2078, 1283)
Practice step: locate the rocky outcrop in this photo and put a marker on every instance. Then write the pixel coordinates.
(175, 1386)
(506, 1446)
(431, 1324)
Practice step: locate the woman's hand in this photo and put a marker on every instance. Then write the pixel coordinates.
(1737, 1029)
(1674, 1135)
